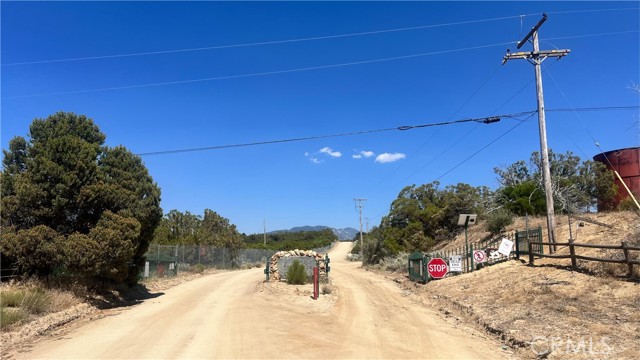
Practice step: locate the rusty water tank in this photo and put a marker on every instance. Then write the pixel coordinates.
(627, 163)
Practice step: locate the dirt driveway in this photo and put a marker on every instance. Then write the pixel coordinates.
(236, 315)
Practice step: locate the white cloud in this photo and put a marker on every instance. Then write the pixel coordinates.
(315, 160)
(363, 154)
(387, 158)
(327, 150)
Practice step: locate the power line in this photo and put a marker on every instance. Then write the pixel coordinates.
(285, 41)
(273, 42)
(485, 120)
(591, 35)
(475, 153)
(531, 113)
(514, 116)
(261, 73)
(572, 109)
(276, 72)
(493, 73)
(484, 147)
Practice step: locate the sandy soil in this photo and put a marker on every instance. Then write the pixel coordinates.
(236, 315)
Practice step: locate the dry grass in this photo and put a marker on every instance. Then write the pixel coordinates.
(21, 303)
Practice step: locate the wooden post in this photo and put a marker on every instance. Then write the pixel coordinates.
(627, 257)
(517, 245)
(572, 251)
(530, 253)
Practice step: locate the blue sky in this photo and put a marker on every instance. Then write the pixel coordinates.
(272, 89)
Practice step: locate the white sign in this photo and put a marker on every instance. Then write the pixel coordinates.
(146, 269)
(455, 263)
(479, 256)
(505, 247)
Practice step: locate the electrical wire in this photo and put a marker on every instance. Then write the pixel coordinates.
(591, 35)
(177, 82)
(484, 147)
(411, 156)
(512, 116)
(475, 153)
(263, 42)
(313, 38)
(363, 132)
(572, 109)
(262, 73)
(486, 120)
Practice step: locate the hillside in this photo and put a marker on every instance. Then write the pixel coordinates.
(548, 310)
(344, 234)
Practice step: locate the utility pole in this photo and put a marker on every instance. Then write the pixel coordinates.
(264, 223)
(359, 206)
(536, 57)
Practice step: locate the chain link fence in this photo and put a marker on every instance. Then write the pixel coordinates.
(167, 260)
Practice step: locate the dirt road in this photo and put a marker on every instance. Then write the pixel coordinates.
(235, 315)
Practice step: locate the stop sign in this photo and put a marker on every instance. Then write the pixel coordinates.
(437, 268)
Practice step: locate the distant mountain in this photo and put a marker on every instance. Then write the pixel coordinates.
(342, 234)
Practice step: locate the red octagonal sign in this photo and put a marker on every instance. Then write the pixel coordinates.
(437, 268)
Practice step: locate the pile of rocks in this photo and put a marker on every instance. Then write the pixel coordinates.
(273, 264)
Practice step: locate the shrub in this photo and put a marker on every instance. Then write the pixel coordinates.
(199, 268)
(36, 301)
(498, 220)
(10, 316)
(326, 290)
(296, 273)
(11, 298)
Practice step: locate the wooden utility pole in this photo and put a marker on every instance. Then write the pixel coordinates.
(536, 57)
(359, 205)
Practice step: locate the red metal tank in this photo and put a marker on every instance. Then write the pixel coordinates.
(627, 163)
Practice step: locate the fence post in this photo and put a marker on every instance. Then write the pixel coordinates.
(517, 246)
(540, 239)
(530, 253)
(627, 258)
(572, 251)
(471, 255)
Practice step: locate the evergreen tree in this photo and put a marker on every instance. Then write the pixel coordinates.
(93, 209)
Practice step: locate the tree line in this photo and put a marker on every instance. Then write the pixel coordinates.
(424, 215)
(178, 228)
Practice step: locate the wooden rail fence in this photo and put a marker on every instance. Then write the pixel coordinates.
(626, 249)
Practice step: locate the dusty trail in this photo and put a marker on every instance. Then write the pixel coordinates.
(230, 315)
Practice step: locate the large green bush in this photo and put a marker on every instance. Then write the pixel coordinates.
(69, 201)
(296, 273)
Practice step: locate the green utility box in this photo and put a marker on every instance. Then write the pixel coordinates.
(417, 267)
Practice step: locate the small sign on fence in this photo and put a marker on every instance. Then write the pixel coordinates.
(479, 256)
(505, 247)
(455, 263)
